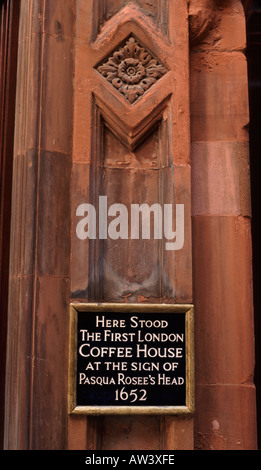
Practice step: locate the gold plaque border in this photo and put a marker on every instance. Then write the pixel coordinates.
(188, 311)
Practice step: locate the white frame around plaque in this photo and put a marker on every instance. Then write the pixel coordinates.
(186, 309)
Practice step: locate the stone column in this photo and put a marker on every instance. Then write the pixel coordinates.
(36, 378)
(221, 210)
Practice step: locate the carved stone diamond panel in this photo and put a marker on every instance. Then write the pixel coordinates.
(132, 70)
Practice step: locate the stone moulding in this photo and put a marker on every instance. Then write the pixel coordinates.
(132, 70)
(131, 134)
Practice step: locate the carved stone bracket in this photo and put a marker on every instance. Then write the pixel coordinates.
(201, 19)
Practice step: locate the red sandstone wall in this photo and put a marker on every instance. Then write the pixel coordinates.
(48, 165)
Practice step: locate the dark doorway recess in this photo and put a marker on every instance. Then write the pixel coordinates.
(254, 71)
(9, 25)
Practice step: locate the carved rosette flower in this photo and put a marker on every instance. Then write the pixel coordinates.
(132, 70)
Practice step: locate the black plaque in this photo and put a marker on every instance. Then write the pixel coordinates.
(131, 358)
